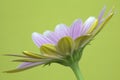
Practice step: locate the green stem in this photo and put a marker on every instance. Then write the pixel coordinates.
(75, 68)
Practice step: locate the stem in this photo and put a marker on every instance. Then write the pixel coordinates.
(75, 68)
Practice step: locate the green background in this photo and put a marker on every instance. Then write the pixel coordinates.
(19, 18)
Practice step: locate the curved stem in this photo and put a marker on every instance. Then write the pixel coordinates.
(75, 68)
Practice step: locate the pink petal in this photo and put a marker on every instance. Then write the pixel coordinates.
(101, 13)
(76, 28)
(51, 35)
(61, 30)
(24, 64)
(40, 39)
(100, 17)
(27, 65)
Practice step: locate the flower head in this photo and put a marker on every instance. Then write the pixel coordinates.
(64, 45)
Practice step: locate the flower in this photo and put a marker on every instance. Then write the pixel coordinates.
(64, 45)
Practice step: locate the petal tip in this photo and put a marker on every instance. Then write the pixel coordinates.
(34, 34)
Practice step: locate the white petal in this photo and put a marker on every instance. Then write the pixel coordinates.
(88, 24)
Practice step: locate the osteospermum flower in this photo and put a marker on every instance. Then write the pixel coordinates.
(64, 45)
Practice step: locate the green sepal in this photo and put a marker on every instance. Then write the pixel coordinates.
(65, 46)
(81, 40)
(32, 55)
(49, 50)
(77, 55)
(16, 55)
(32, 60)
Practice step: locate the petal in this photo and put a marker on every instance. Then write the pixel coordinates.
(49, 50)
(46, 33)
(104, 21)
(93, 26)
(76, 28)
(88, 23)
(80, 41)
(51, 35)
(61, 30)
(65, 45)
(24, 66)
(101, 13)
(40, 39)
(98, 29)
